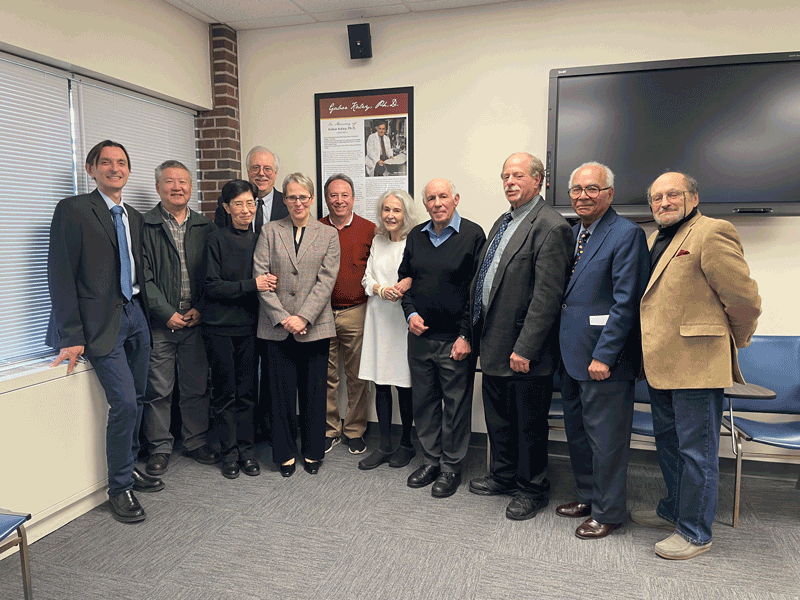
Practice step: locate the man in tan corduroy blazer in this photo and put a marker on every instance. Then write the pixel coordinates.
(699, 306)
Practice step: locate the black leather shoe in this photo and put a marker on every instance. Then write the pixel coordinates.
(204, 455)
(145, 483)
(288, 470)
(230, 469)
(157, 464)
(524, 506)
(445, 485)
(125, 508)
(423, 476)
(489, 486)
(311, 466)
(574, 509)
(250, 467)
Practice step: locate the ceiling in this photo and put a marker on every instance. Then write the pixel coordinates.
(262, 14)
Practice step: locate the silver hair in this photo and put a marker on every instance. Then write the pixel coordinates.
(690, 182)
(410, 217)
(256, 149)
(452, 185)
(300, 179)
(609, 173)
(171, 164)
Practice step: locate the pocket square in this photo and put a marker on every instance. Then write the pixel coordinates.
(682, 253)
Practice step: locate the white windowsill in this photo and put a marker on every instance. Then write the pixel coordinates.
(36, 372)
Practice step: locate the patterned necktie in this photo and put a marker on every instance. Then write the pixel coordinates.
(124, 255)
(476, 309)
(581, 243)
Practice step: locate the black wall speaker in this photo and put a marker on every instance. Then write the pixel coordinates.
(360, 41)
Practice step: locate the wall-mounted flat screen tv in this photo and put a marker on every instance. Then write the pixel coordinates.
(732, 122)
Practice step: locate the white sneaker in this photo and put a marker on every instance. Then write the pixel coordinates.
(677, 548)
(650, 518)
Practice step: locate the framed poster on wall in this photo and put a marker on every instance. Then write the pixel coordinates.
(368, 135)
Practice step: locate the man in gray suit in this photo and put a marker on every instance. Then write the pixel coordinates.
(514, 304)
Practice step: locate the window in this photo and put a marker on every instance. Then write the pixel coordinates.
(49, 120)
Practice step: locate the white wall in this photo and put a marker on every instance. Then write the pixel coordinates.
(145, 45)
(53, 446)
(480, 80)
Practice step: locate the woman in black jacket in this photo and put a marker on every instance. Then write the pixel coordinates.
(229, 327)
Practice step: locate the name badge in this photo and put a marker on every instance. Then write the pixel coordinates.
(598, 320)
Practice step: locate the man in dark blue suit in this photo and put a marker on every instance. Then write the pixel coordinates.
(96, 280)
(600, 350)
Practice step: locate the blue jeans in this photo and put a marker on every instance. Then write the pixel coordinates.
(123, 375)
(686, 425)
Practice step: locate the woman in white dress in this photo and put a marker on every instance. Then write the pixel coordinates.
(384, 358)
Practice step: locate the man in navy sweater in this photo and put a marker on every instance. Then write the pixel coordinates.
(441, 257)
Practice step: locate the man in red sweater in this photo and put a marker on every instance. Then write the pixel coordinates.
(349, 303)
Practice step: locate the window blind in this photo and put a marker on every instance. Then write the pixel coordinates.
(49, 120)
(36, 171)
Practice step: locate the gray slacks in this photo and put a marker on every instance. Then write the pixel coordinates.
(442, 399)
(185, 348)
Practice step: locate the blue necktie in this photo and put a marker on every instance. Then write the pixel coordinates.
(476, 309)
(124, 256)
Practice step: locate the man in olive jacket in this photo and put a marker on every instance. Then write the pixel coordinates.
(174, 237)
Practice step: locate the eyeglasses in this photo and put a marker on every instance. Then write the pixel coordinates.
(671, 195)
(248, 204)
(591, 192)
(298, 199)
(255, 169)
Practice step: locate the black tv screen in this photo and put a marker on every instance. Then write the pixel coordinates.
(731, 122)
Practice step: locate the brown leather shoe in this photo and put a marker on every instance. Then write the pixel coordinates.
(574, 509)
(592, 530)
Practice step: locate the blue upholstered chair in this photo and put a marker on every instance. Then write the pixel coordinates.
(773, 362)
(12, 523)
(642, 419)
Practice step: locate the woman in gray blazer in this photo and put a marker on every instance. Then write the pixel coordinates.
(296, 321)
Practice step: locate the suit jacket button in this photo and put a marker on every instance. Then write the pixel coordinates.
(294, 272)
(563, 306)
(291, 293)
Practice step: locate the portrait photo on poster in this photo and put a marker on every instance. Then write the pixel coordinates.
(385, 142)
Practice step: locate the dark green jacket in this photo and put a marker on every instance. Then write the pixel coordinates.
(162, 266)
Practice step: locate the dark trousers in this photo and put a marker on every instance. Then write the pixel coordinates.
(383, 407)
(597, 418)
(298, 372)
(442, 399)
(516, 410)
(123, 375)
(262, 412)
(233, 380)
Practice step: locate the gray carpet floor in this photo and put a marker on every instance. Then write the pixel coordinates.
(348, 534)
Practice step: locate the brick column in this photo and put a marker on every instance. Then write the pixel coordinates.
(217, 130)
